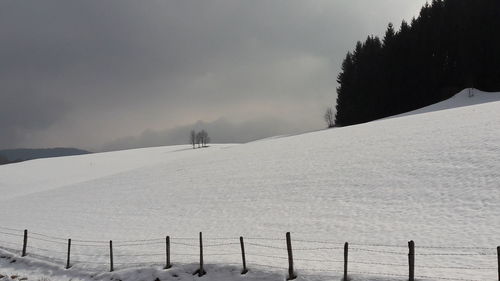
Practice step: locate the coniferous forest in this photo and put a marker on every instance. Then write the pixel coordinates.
(451, 45)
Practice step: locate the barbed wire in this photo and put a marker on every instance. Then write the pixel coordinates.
(446, 278)
(47, 240)
(155, 263)
(263, 238)
(454, 254)
(139, 255)
(137, 244)
(184, 244)
(89, 241)
(139, 240)
(317, 241)
(222, 254)
(46, 250)
(266, 256)
(65, 253)
(11, 229)
(88, 245)
(378, 245)
(266, 246)
(46, 236)
(378, 273)
(303, 245)
(246, 238)
(204, 245)
(456, 247)
(188, 255)
(221, 244)
(455, 267)
(9, 243)
(318, 260)
(11, 234)
(268, 266)
(378, 263)
(378, 251)
(319, 270)
(318, 248)
(204, 238)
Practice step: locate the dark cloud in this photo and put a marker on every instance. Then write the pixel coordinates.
(24, 109)
(82, 73)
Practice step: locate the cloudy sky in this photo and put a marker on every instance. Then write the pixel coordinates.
(104, 75)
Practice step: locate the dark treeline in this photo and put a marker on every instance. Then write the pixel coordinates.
(23, 154)
(4, 160)
(452, 45)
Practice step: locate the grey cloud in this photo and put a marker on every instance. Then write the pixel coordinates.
(24, 109)
(114, 68)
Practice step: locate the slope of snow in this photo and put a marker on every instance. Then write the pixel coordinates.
(432, 178)
(45, 174)
(466, 97)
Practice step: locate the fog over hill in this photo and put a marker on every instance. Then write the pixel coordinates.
(220, 131)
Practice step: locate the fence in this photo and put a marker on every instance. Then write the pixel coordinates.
(320, 258)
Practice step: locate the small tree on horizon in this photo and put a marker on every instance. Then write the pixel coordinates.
(200, 138)
(329, 117)
(192, 138)
(204, 137)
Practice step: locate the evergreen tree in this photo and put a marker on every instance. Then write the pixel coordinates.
(451, 45)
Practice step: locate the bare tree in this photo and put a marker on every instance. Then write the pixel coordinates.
(199, 139)
(192, 138)
(329, 117)
(204, 137)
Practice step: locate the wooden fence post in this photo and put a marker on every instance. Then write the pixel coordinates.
(498, 260)
(69, 252)
(111, 256)
(411, 260)
(200, 271)
(25, 242)
(245, 270)
(291, 274)
(168, 265)
(346, 249)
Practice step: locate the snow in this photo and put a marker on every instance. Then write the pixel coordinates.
(431, 176)
(45, 174)
(466, 97)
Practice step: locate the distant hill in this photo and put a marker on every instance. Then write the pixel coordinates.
(4, 160)
(23, 154)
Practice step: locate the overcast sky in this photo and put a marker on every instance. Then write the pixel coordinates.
(105, 75)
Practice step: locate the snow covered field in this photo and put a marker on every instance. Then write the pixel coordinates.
(432, 177)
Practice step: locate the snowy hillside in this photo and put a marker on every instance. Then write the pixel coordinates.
(433, 178)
